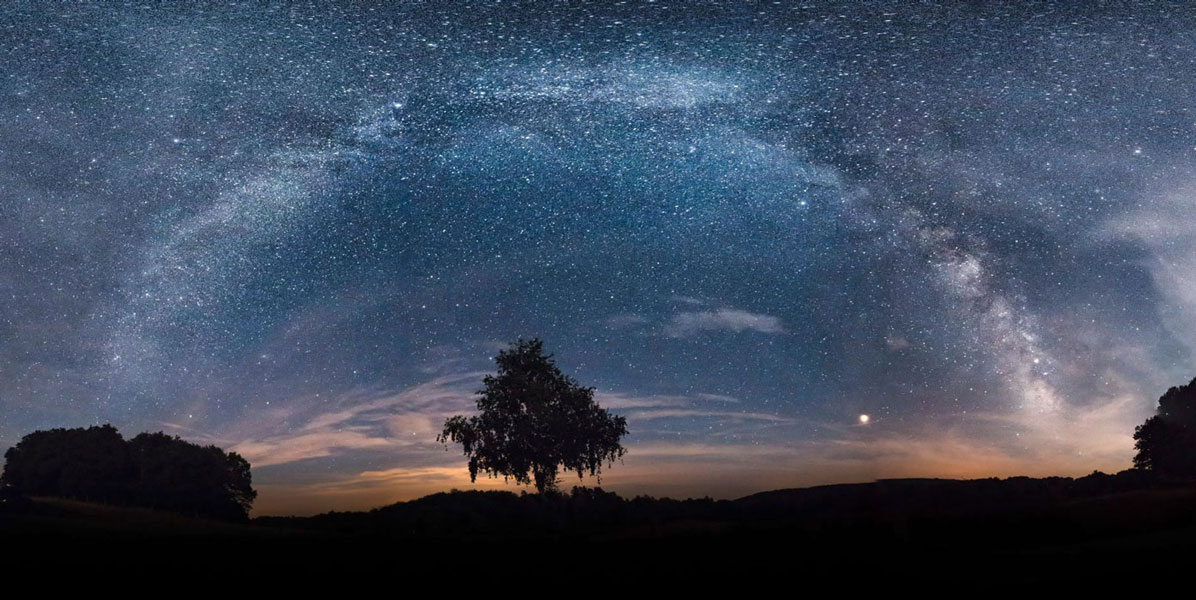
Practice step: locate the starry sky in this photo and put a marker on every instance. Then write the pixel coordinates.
(303, 233)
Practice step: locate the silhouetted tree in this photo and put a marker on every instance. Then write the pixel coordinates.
(533, 420)
(1166, 442)
(87, 464)
(178, 475)
(153, 469)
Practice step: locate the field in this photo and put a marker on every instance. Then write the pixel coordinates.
(1019, 529)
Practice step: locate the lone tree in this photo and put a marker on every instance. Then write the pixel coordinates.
(533, 420)
(1166, 442)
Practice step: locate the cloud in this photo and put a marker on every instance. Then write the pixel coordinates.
(302, 446)
(719, 398)
(1164, 226)
(620, 400)
(693, 413)
(643, 413)
(736, 453)
(1073, 443)
(408, 418)
(896, 343)
(403, 425)
(724, 319)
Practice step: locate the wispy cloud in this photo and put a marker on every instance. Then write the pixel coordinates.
(697, 406)
(694, 413)
(1163, 226)
(724, 319)
(729, 467)
(621, 400)
(362, 421)
(399, 428)
(738, 453)
(301, 446)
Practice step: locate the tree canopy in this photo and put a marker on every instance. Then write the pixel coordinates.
(153, 470)
(534, 420)
(1166, 442)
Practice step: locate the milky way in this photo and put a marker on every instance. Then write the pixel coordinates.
(304, 233)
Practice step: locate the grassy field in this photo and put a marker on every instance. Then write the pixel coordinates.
(934, 530)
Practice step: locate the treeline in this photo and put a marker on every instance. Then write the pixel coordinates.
(585, 513)
(1017, 508)
(152, 470)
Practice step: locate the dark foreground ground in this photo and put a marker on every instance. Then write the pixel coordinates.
(988, 532)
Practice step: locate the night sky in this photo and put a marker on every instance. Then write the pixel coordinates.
(303, 233)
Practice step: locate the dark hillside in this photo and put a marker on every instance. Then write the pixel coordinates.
(940, 530)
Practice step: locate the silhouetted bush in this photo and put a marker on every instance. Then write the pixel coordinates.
(153, 470)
